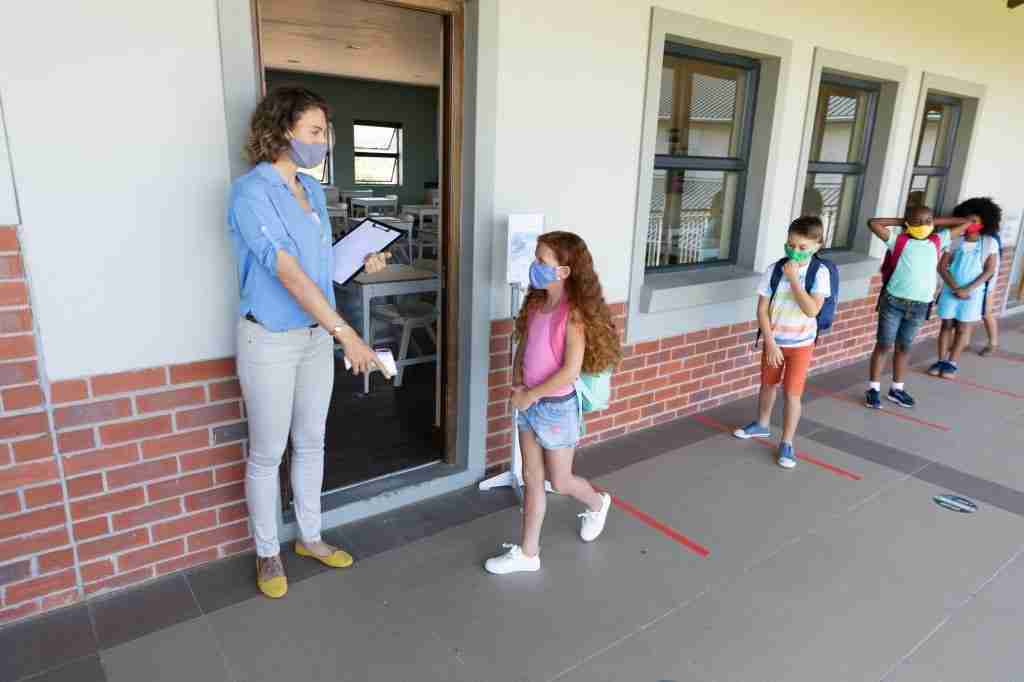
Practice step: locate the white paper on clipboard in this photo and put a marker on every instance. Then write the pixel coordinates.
(351, 251)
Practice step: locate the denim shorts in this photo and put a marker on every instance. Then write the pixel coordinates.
(899, 320)
(554, 421)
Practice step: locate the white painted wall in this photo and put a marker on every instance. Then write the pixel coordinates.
(8, 199)
(571, 91)
(115, 120)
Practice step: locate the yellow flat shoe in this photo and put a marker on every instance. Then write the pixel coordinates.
(339, 558)
(275, 587)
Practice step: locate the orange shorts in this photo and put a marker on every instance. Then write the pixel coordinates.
(793, 372)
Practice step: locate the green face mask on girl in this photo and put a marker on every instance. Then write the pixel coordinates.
(796, 255)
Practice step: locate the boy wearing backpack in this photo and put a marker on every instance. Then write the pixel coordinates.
(909, 279)
(791, 296)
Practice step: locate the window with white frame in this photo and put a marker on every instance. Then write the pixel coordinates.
(840, 143)
(705, 118)
(378, 153)
(933, 158)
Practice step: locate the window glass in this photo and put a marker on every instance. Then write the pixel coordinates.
(705, 110)
(378, 153)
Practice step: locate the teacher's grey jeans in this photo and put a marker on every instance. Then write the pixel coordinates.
(287, 379)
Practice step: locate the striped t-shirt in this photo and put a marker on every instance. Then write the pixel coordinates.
(791, 327)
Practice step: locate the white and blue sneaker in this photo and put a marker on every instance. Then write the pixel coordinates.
(753, 430)
(787, 459)
(904, 399)
(872, 399)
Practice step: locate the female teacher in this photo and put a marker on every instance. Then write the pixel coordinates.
(288, 322)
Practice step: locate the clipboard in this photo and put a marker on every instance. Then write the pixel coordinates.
(369, 236)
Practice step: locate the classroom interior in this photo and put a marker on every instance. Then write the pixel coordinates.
(380, 69)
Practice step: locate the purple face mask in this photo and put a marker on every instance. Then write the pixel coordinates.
(307, 154)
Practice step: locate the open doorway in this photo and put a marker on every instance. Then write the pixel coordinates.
(385, 71)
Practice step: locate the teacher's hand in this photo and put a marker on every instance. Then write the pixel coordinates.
(375, 262)
(362, 357)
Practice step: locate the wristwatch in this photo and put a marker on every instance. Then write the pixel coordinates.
(335, 330)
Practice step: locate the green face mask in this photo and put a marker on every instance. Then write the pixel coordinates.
(797, 256)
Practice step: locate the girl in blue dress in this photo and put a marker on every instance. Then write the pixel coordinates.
(965, 269)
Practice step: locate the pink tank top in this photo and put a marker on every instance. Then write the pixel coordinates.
(545, 347)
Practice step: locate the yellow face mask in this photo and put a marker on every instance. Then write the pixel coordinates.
(920, 231)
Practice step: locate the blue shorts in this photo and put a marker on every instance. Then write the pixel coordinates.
(554, 421)
(960, 309)
(899, 320)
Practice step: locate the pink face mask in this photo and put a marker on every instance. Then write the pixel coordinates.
(974, 228)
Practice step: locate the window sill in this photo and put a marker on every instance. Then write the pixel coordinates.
(853, 266)
(674, 303)
(663, 292)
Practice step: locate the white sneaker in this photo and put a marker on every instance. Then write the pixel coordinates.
(593, 521)
(512, 561)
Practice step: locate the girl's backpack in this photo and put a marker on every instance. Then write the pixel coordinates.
(594, 389)
(999, 254)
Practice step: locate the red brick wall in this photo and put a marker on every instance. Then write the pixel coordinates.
(677, 376)
(109, 480)
(154, 465)
(36, 555)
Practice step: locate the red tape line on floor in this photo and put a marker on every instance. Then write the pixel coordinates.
(657, 525)
(981, 387)
(887, 413)
(839, 471)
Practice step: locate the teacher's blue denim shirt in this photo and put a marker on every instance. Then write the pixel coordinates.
(264, 218)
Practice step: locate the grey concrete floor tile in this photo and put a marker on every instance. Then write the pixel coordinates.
(978, 489)
(133, 613)
(985, 446)
(980, 641)
(325, 629)
(993, 371)
(187, 651)
(1012, 341)
(840, 379)
(912, 540)
(530, 626)
(889, 426)
(604, 458)
(960, 398)
(49, 641)
(220, 584)
(755, 628)
(998, 460)
(848, 441)
(746, 507)
(842, 605)
(478, 612)
(88, 669)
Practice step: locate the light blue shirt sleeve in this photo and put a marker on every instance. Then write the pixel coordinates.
(944, 240)
(261, 227)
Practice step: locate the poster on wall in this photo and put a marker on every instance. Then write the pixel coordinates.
(523, 231)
